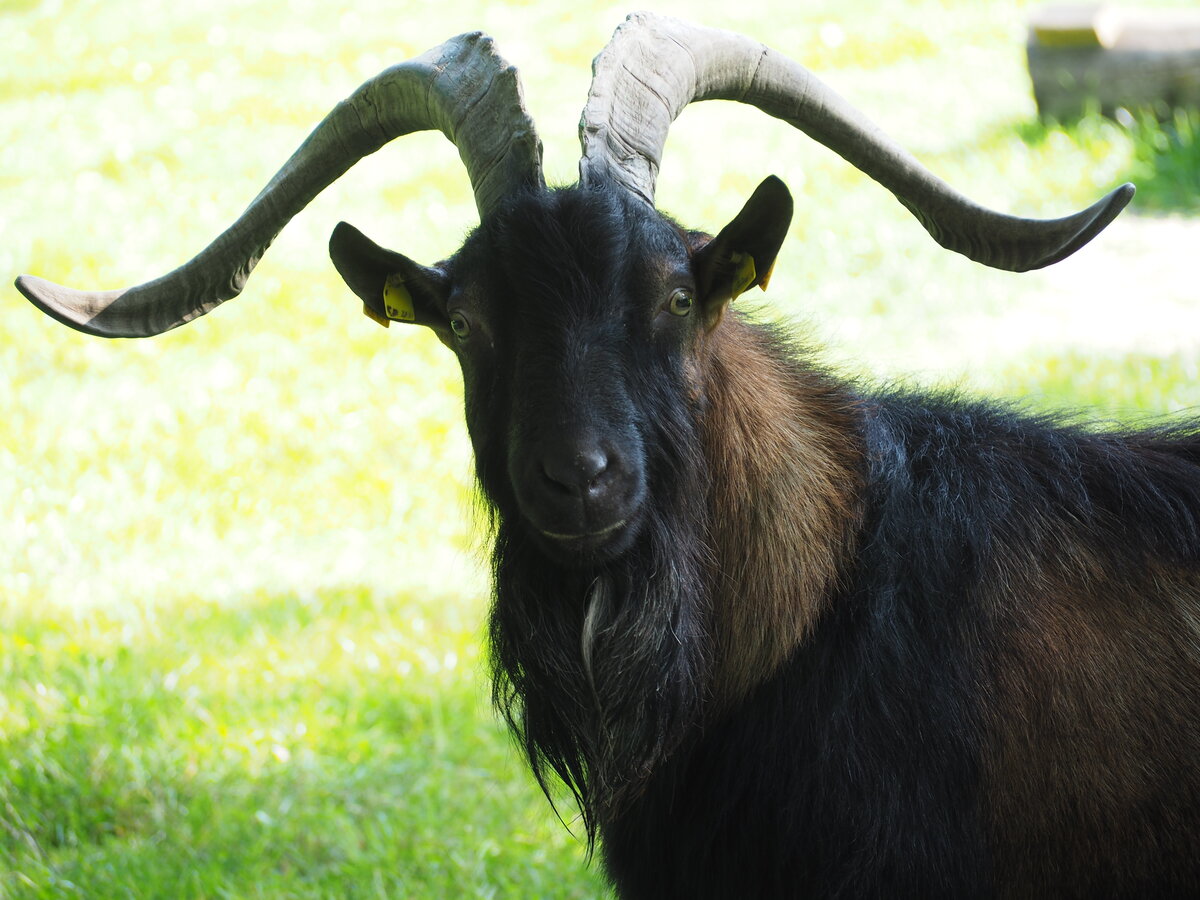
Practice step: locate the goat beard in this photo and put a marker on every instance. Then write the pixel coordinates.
(601, 672)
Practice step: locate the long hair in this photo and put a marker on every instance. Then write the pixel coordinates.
(601, 671)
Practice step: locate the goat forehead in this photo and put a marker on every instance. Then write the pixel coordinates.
(579, 253)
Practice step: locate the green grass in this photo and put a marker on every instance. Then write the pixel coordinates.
(1161, 156)
(312, 745)
(241, 580)
(1167, 161)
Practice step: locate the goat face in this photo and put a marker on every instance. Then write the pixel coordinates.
(579, 318)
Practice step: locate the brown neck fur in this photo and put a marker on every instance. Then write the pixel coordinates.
(784, 451)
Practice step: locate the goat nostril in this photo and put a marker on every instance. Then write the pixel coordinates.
(592, 465)
(576, 472)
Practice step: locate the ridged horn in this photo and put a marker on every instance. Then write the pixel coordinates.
(654, 66)
(462, 88)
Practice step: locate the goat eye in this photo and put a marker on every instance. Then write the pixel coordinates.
(459, 325)
(680, 303)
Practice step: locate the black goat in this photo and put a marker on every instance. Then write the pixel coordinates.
(782, 637)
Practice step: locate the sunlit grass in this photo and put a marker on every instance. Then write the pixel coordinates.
(241, 590)
(244, 749)
(1131, 387)
(1167, 161)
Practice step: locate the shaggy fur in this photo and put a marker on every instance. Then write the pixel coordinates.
(1002, 699)
(849, 644)
(600, 670)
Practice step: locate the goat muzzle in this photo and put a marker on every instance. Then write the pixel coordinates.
(581, 495)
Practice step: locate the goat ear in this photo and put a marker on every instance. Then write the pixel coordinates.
(743, 254)
(393, 288)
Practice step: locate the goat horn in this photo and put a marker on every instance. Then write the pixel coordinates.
(462, 88)
(655, 66)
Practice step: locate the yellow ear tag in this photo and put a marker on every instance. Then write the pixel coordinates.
(744, 273)
(375, 317)
(766, 279)
(397, 301)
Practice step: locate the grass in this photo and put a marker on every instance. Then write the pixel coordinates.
(240, 751)
(1167, 161)
(1160, 155)
(242, 589)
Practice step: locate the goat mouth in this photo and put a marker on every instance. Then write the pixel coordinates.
(591, 537)
(589, 547)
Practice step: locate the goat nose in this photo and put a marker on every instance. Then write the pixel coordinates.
(576, 471)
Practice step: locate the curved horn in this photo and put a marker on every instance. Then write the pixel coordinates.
(463, 88)
(655, 66)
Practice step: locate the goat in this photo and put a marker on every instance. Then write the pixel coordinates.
(781, 635)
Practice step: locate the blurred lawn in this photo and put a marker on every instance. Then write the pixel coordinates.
(241, 591)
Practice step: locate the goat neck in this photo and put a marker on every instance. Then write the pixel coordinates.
(781, 532)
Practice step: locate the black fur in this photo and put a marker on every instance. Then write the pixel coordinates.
(997, 692)
(600, 723)
(854, 772)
